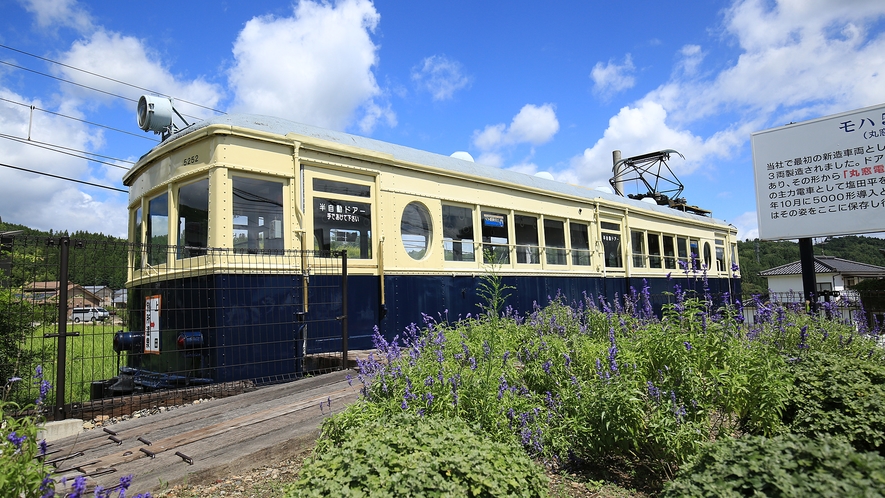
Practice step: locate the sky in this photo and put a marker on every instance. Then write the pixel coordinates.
(519, 86)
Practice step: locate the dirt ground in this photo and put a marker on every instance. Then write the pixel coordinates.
(271, 480)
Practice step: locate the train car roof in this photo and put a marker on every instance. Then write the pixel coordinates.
(283, 127)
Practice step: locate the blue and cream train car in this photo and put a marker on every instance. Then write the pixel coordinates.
(417, 226)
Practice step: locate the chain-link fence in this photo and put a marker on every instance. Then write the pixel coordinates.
(113, 334)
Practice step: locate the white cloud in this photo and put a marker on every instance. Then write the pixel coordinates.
(128, 59)
(747, 225)
(314, 67)
(43, 202)
(441, 76)
(797, 59)
(59, 13)
(532, 125)
(609, 79)
(633, 131)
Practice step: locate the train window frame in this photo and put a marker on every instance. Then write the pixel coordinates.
(157, 249)
(653, 241)
(192, 232)
(338, 187)
(581, 254)
(682, 251)
(267, 234)
(735, 269)
(720, 254)
(353, 234)
(528, 248)
(495, 248)
(555, 247)
(138, 255)
(416, 239)
(669, 252)
(612, 245)
(637, 248)
(454, 240)
(694, 253)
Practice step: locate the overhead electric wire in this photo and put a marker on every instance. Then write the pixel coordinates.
(79, 84)
(142, 136)
(64, 178)
(108, 78)
(55, 148)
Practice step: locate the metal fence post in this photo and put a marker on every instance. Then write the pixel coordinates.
(344, 310)
(64, 244)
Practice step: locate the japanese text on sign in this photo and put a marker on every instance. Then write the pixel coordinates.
(822, 177)
(152, 325)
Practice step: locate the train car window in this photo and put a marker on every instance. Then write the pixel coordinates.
(637, 241)
(495, 239)
(611, 244)
(342, 188)
(458, 233)
(708, 256)
(554, 242)
(158, 229)
(341, 225)
(580, 239)
(669, 253)
(720, 255)
(682, 247)
(416, 230)
(734, 257)
(605, 225)
(694, 253)
(257, 215)
(193, 219)
(654, 250)
(136, 237)
(527, 250)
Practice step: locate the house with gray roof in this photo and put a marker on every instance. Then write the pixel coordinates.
(831, 274)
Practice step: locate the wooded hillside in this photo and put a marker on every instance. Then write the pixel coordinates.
(756, 255)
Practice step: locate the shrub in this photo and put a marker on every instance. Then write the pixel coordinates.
(407, 455)
(840, 396)
(782, 466)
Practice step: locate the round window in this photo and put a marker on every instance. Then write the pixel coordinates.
(416, 230)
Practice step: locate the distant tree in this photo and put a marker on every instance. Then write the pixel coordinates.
(758, 255)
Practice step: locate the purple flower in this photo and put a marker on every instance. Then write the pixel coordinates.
(47, 487)
(687, 345)
(79, 487)
(546, 366)
(653, 392)
(16, 440)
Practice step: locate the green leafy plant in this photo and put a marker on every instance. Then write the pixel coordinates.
(491, 287)
(783, 466)
(408, 455)
(840, 396)
(22, 471)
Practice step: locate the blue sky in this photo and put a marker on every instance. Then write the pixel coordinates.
(551, 87)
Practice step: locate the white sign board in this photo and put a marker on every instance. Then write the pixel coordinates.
(822, 177)
(152, 325)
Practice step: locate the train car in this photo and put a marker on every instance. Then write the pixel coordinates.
(419, 229)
